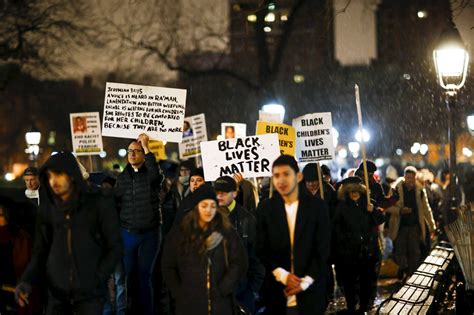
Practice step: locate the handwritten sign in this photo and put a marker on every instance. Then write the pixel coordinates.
(130, 110)
(252, 156)
(233, 130)
(286, 135)
(158, 149)
(194, 132)
(314, 141)
(85, 133)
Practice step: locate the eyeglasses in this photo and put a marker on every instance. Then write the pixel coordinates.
(130, 151)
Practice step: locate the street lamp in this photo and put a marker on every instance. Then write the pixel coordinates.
(470, 124)
(451, 61)
(33, 139)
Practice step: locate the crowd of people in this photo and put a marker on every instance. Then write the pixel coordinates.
(145, 243)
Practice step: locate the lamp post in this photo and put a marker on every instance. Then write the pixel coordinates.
(451, 60)
(33, 139)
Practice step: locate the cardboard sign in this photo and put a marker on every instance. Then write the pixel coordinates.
(194, 132)
(314, 141)
(130, 110)
(85, 133)
(158, 149)
(252, 156)
(286, 135)
(270, 117)
(233, 130)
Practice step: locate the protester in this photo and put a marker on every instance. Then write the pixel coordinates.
(30, 176)
(246, 226)
(409, 218)
(196, 180)
(204, 260)
(180, 186)
(355, 243)
(138, 190)
(293, 231)
(77, 241)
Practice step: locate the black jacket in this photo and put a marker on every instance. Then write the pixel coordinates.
(78, 242)
(138, 194)
(310, 250)
(355, 234)
(246, 226)
(186, 274)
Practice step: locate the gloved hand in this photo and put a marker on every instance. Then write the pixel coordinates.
(22, 292)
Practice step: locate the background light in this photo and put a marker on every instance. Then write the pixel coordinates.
(275, 108)
(9, 177)
(423, 149)
(342, 153)
(365, 135)
(399, 152)
(467, 152)
(103, 154)
(122, 152)
(354, 147)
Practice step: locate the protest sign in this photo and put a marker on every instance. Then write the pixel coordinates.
(314, 141)
(158, 149)
(286, 135)
(233, 130)
(130, 110)
(270, 117)
(194, 132)
(252, 156)
(85, 133)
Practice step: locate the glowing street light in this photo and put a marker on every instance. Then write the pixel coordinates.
(365, 136)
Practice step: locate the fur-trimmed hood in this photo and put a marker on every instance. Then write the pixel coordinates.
(344, 189)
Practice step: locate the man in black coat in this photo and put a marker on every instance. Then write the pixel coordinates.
(138, 190)
(293, 237)
(246, 226)
(77, 240)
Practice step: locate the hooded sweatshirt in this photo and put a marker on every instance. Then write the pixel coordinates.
(78, 241)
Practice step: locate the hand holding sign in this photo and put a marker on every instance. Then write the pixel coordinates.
(144, 140)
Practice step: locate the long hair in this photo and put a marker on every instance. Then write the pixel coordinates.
(194, 237)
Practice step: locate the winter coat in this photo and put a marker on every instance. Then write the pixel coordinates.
(425, 216)
(310, 250)
(77, 242)
(246, 226)
(186, 274)
(139, 196)
(354, 229)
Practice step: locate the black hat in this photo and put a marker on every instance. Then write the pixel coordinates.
(197, 172)
(31, 171)
(189, 164)
(371, 167)
(310, 172)
(225, 184)
(204, 192)
(325, 170)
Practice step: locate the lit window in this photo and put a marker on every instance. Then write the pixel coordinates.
(422, 14)
(267, 29)
(270, 17)
(298, 78)
(252, 18)
(284, 18)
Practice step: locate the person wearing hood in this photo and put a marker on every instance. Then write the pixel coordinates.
(77, 241)
(138, 191)
(196, 180)
(204, 259)
(180, 186)
(355, 243)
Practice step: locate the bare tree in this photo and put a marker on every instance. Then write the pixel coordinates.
(40, 35)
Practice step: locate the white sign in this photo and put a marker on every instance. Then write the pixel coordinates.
(252, 156)
(194, 132)
(85, 133)
(269, 117)
(314, 141)
(130, 110)
(233, 130)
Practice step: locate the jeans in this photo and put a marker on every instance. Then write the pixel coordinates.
(120, 293)
(142, 250)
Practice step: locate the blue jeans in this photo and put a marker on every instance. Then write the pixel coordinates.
(142, 250)
(120, 293)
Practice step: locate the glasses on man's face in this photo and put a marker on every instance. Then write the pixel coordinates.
(134, 151)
